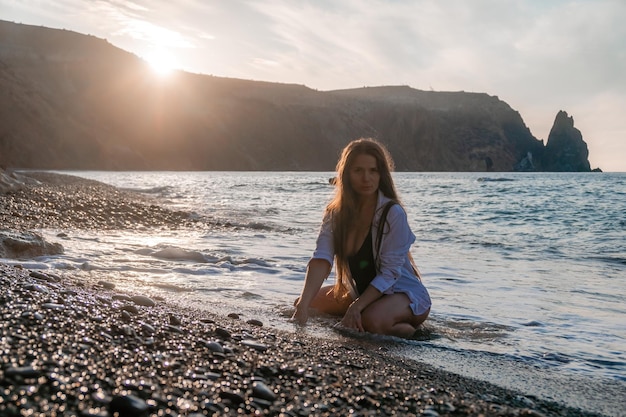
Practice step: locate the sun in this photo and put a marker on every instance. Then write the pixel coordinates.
(162, 64)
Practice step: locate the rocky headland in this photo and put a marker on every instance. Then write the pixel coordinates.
(83, 348)
(72, 101)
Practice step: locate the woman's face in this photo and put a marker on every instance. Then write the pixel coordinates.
(364, 175)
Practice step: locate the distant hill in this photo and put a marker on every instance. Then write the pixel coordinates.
(73, 101)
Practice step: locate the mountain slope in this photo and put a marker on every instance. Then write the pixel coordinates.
(71, 101)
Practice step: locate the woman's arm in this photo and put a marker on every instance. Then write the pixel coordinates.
(316, 272)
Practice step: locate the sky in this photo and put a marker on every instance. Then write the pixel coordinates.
(539, 56)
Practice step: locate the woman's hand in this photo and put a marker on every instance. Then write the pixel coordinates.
(316, 272)
(300, 316)
(352, 318)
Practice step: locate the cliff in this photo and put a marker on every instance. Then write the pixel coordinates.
(566, 150)
(72, 101)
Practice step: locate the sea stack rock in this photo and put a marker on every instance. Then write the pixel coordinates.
(566, 151)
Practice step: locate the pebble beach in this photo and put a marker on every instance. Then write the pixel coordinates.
(72, 347)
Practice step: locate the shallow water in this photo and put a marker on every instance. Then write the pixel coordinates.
(529, 269)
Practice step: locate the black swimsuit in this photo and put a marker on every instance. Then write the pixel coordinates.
(362, 265)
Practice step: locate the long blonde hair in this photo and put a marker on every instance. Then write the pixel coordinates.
(343, 207)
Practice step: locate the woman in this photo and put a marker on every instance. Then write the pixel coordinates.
(378, 288)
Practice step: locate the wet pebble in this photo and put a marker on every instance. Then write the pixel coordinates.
(130, 308)
(223, 333)
(254, 345)
(260, 390)
(37, 288)
(128, 406)
(147, 329)
(234, 397)
(53, 306)
(214, 346)
(44, 277)
(103, 300)
(23, 372)
(255, 322)
(143, 301)
(174, 320)
(128, 331)
(526, 401)
(106, 284)
(126, 317)
(173, 329)
(212, 376)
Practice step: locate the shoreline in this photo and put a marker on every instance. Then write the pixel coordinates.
(70, 347)
(83, 348)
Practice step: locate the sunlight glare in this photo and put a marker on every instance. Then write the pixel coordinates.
(162, 64)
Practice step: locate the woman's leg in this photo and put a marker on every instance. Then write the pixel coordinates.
(326, 302)
(392, 315)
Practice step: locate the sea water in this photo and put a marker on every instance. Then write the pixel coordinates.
(527, 271)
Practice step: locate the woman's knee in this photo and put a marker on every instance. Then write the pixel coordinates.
(417, 320)
(373, 322)
(388, 315)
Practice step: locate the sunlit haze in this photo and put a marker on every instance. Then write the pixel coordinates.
(161, 64)
(538, 56)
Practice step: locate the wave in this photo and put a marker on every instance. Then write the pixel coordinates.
(162, 190)
(177, 254)
(173, 253)
(170, 287)
(258, 226)
(610, 259)
(499, 179)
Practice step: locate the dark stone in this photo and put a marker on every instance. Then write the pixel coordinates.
(130, 308)
(214, 346)
(122, 297)
(232, 396)
(103, 300)
(26, 245)
(174, 321)
(147, 329)
(255, 322)
(42, 276)
(106, 284)
(212, 376)
(37, 288)
(126, 317)
(173, 329)
(223, 333)
(53, 306)
(128, 406)
(260, 390)
(254, 345)
(23, 372)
